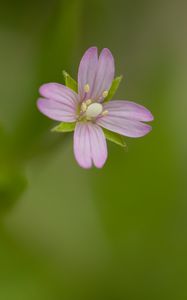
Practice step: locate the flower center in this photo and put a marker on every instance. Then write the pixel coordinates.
(90, 110)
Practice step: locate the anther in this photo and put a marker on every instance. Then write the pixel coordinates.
(105, 94)
(87, 88)
(105, 112)
(88, 102)
(83, 107)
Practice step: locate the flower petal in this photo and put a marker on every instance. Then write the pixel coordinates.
(126, 127)
(60, 102)
(87, 71)
(128, 110)
(104, 74)
(98, 145)
(56, 110)
(60, 93)
(82, 149)
(89, 145)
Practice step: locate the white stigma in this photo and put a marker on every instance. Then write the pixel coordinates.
(94, 110)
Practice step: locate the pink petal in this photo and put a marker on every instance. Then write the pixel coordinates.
(60, 102)
(89, 145)
(104, 74)
(128, 110)
(98, 145)
(60, 93)
(56, 110)
(87, 71)
(82, 146)
(130, 128)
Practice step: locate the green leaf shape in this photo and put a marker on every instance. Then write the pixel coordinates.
(113, 88)
(70, 82)
(114, 137)
(64, 127)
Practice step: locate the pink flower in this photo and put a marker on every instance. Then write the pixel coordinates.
(90, 111)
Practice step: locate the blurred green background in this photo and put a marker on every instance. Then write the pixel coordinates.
(117, 233)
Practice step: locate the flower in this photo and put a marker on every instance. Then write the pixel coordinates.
(89, 110)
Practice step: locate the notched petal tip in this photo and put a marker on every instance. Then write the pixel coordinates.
(39, 103)
(107, 54)
(44, 88)
(91, 49)
(84, 166)
(146, 114)
(107, 51)
(101, 164)
(151, 117)
(90, 52)
(148, 117)
(146, 128)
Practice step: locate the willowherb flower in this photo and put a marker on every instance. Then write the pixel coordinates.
(87, 110)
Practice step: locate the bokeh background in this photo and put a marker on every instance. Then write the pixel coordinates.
(117, 233)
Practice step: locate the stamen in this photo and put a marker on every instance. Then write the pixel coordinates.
(105, 112)
(83, 107)
(105, 94)
(88, 102)
(87, 88)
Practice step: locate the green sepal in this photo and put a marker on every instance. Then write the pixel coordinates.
(114, 137)
(113, 88)
(70, 82)
(64, 127)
